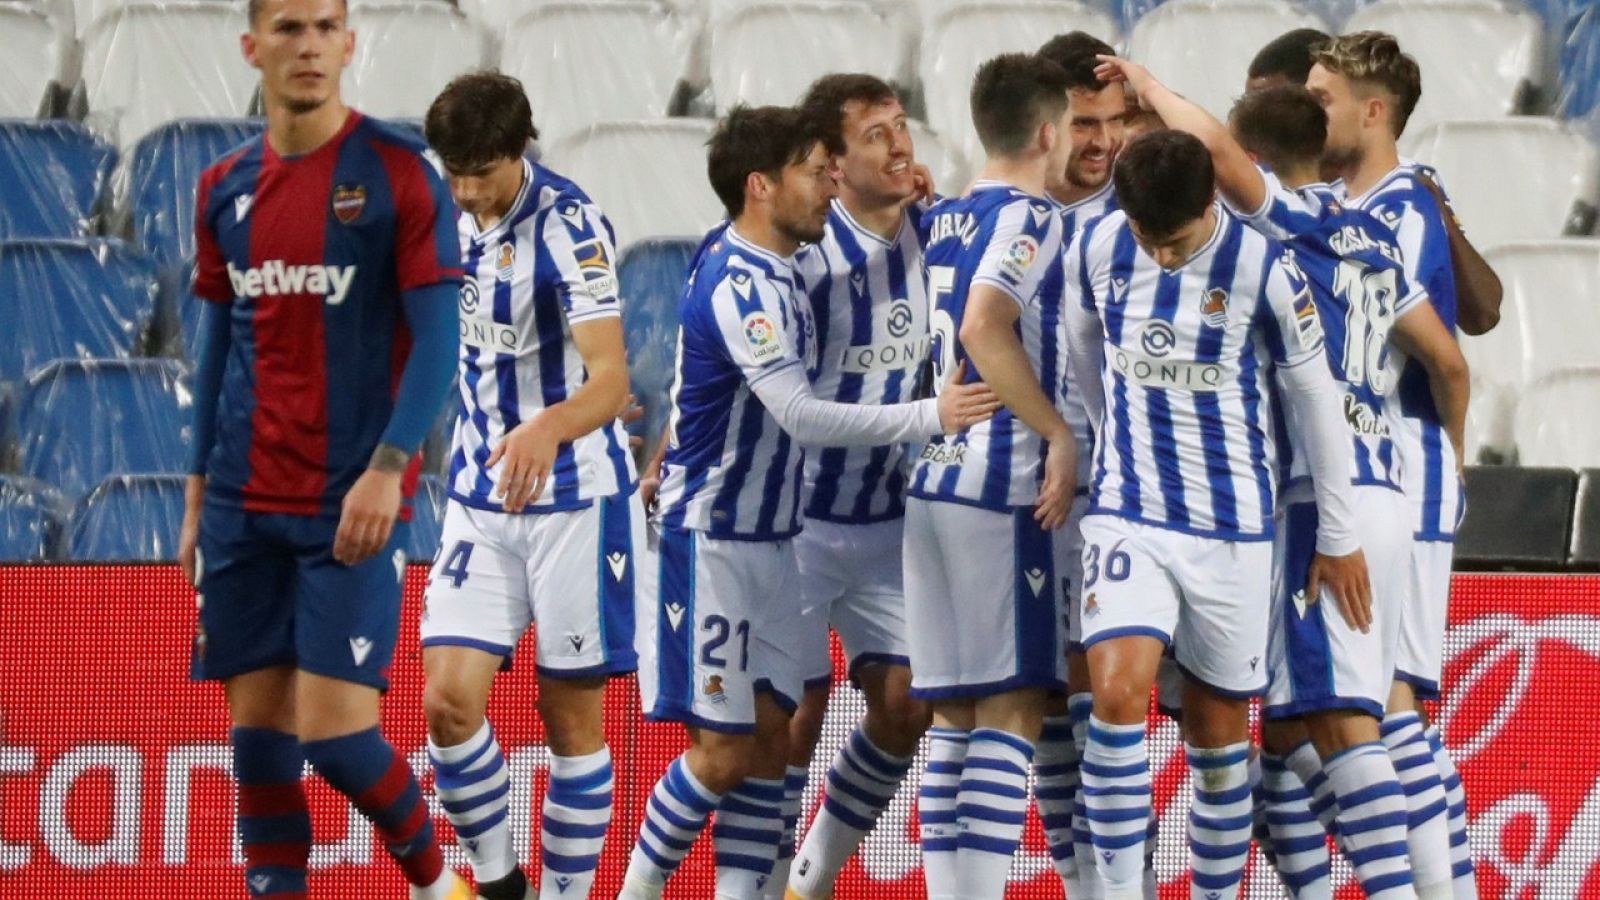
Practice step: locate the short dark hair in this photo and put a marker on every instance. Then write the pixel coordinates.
(1283, 124)
(825, 101)
(1164, 180)
(1289, 55)
(1373, 58)
(1075, 52)
(478, 118)
(253, 9)
(1012, 95)
(761, 139)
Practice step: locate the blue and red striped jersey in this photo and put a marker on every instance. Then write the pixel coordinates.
(313, 253)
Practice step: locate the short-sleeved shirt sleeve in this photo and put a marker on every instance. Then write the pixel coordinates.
(750, 319)
(1023, 245)
(579, 241)
(427, 246)
(1286, 214)
(210, 268)
(1294, 330)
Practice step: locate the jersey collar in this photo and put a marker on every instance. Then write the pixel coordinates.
(865, 232)
(511, 211)
(784, 264)
(1096, 197)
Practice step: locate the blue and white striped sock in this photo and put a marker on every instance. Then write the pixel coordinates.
(1299, 842)
(747, 831)
(674, 816)
(1219, 820)
(1427, 811)
(1306, 765)
(1079, 706)
(573, 823)
(1372, 820)
(474, 787)
(1116, 791)
(936, 810)
(794, 788)
(1055, 790)
(1462, 873)
(861, 783)
(992, 806)
(1258, 813)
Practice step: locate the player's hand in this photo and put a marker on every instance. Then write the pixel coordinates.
(529, 453)
(631, 413)
(1113, 69)
(962, 406)
(922, 179)
(649, 488)
(1345, 577)
(367, 517)
(1060, 484)
(194, 498)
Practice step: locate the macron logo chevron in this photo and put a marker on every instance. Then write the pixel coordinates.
(618, 562)
(241, 206)
(360, 648)
(1035, 580)
(259, 884)
(675, 614)
(563, 882)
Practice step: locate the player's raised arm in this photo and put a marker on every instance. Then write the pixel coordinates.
(1237, 176)
(1478, 288)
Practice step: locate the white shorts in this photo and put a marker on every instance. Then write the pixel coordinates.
(725, 630)
(1069, 568)
(1207, 598)
(850, 580)
(1419, 660)
(571, 573)
(983, 603)
(1316, 661)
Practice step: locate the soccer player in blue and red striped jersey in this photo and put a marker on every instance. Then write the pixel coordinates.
(329, 263)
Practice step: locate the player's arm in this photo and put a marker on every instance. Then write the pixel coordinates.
(1420, 334)
(1086, 348)
(1478, 288)
(214, 292)
(1240, 182)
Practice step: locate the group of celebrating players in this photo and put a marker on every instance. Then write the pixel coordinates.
(1182, 410)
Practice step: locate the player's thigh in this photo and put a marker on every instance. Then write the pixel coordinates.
(246, 613)
(931, 627)
(455, 694)
(1128, 587)
(870, 616)
(583, 573)
(477, 593)
(1221, 641)
(347, 617)
(823, 574)
(1419, 660)
(573, 713)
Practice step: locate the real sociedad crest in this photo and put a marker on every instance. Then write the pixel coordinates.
(348, 202)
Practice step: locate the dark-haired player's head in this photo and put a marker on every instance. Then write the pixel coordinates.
(301, 48)
(770, 162)
(1368, 87)
(1165, 184)
(1019, 108)
(480, 126)
(863, 124)
(1283, 126)
(1139, 121)
(1286, 59)
(1098, 110)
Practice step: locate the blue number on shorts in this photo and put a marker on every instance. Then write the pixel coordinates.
(455, 565)
(1119, 565)
(722, 628)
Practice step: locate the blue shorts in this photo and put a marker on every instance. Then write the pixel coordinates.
(271, 594)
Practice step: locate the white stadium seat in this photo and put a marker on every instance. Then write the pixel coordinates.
(1476, 56)
(570, 88)
(950, 171)
(649, 178)
(965, 35)
(1510, 179)
(1556, 424)
(1552, 303)
(406, 54)
(1489, 422)
(769, 53)
(32, 55)
(1203, 48)
(151, 62)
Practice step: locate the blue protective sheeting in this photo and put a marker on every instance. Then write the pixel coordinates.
(30, 520)
(129, 518)
(71, 298)
(427, 515)
(652, 274)
(52, 176)
(164, 172)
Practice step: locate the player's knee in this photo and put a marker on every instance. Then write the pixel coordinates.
(572, 727)
(897, 721)
(722, 768)
(1120, 702)
(453, 714)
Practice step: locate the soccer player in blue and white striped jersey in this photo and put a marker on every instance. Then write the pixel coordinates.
(1368, 87)
(725, 660)
(983, 603)
(1186, 318)
(864, 283)
(543, 523)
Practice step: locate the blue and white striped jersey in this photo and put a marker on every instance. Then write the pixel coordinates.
(546, 266)
(1352, 263)
(1410, 210)
(871, 318)
(1002, 237)
(1052, 294)
(730, 471)
(1187, 441)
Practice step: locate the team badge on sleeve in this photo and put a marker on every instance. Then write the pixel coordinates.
(1019, 258)
(761, 334)
(348, 202)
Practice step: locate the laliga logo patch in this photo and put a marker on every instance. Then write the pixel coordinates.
(761, 335)
(1214, 307)
(1019, 259)
(1157, 338)
(900, 319)
(506, 262)
(594, 263)
(348, 202)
